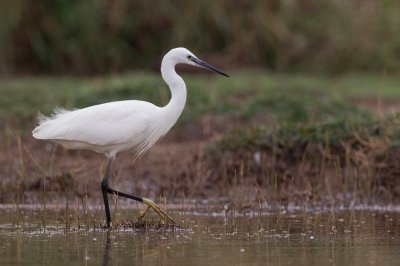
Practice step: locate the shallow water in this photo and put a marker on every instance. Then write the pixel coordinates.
(285, 238)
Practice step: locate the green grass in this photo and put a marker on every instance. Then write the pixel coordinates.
(290, 125)
(330, 135)
(280, 98)
(290, 109)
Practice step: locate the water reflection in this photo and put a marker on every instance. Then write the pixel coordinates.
(107, 248)
(362, 238)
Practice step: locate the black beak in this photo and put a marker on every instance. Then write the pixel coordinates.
(210, 67)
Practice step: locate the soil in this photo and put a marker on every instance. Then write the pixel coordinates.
(179, 167)
(32, 167)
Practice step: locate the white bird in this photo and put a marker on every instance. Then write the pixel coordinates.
(113, 127)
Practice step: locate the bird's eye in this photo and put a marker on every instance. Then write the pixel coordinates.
(189, 57)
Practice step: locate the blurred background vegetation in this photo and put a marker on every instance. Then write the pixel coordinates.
(101, 36)
(314, 91)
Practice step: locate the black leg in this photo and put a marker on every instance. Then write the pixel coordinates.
(106, 206)
(124, 195)
(105, 188)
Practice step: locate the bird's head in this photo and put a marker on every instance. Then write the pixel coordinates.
(184, 56)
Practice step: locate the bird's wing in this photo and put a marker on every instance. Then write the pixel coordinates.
(104, 124)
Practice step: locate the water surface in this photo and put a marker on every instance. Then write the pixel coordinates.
(287, 238)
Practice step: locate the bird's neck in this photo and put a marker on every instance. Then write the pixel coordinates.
(177, 87)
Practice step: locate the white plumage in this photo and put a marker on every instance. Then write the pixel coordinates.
(118, 126)
(113, 127)
(108, 128)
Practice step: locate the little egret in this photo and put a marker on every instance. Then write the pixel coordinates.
(113, 127)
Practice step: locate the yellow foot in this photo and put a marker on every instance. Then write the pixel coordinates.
(151, 205)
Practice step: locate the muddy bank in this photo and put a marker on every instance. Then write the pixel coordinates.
(190, 163)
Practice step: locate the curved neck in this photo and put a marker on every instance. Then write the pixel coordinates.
(176, 85)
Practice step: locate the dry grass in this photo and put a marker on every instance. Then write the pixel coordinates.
(301, 144)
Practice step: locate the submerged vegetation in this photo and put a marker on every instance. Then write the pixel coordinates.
(253, 138)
